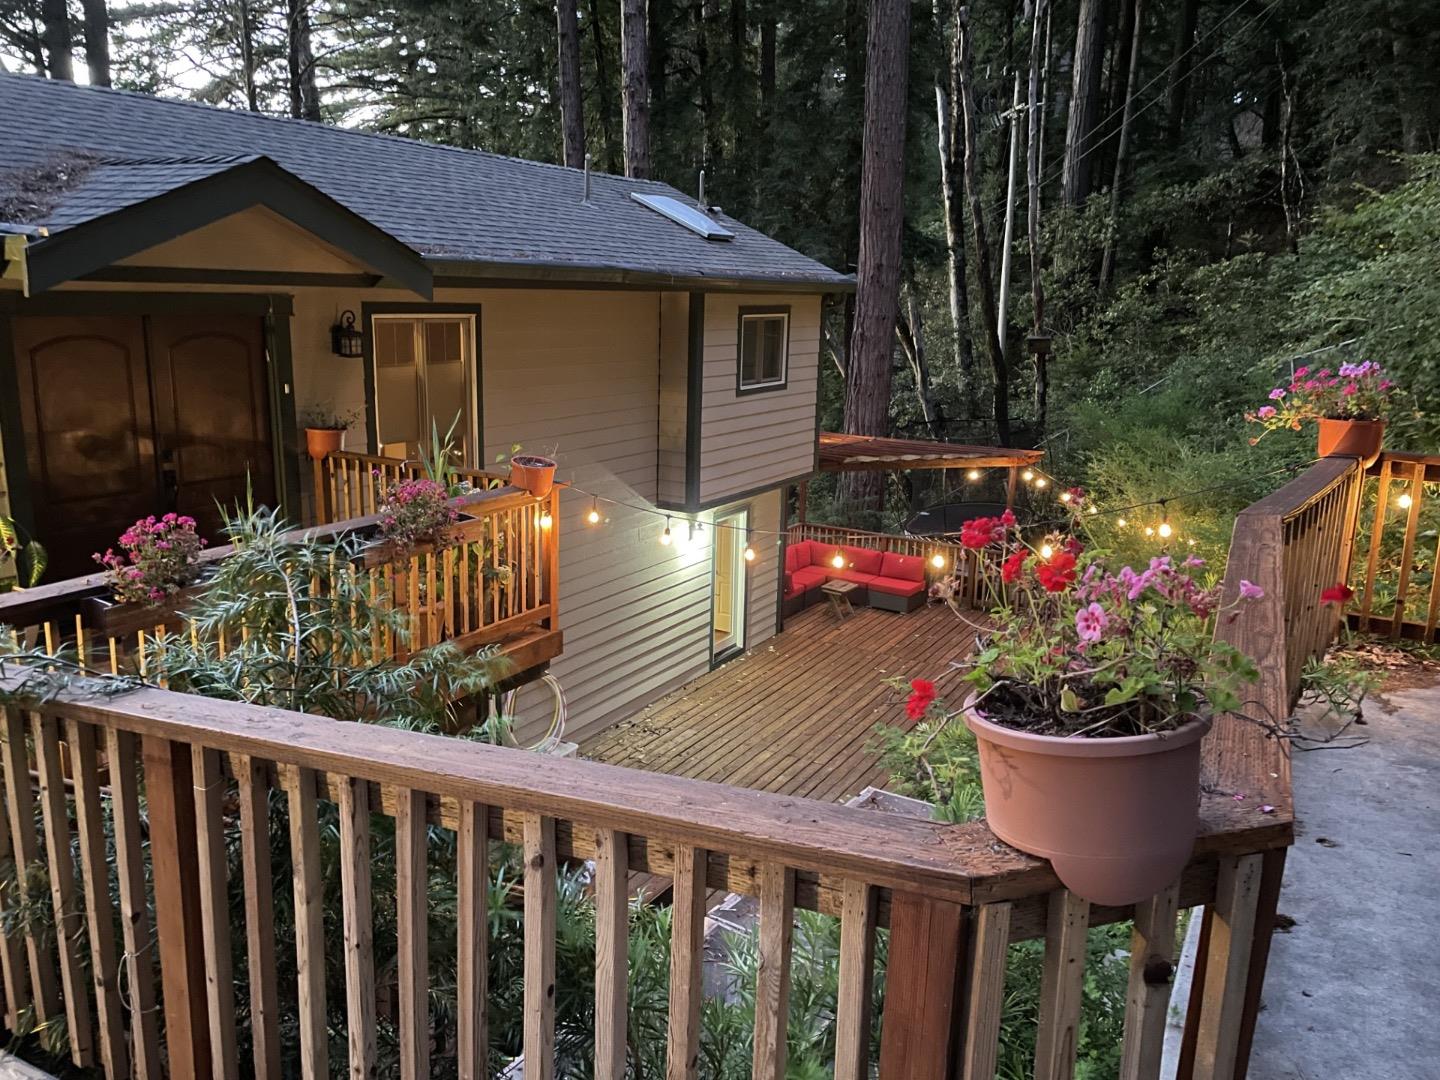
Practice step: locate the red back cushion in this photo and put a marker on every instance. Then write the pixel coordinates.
(903, 567)
(862, 560)
(798, 556)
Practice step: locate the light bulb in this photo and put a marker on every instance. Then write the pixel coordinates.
(665, 536)
(1121, 522)
(1046, 551)
(1165, 530)
(938, 561)
(546, 520)
(973, 474)
(1149, 531)
(1065, 496)
(1040, 482)
(1027, 476)
(838, 561)
(1093, 509)
(749, 553)
(1404, 501)
(593, 517)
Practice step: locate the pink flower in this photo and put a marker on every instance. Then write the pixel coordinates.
(1276, 394)
(1090, 622)
(1265, 412)
(1301, 372)
(1250, 591)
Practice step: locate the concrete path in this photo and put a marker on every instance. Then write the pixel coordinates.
(1353, 988)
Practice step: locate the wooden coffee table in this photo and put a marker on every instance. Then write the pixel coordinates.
(839, 594)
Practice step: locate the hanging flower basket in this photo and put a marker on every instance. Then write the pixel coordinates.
(533, 473)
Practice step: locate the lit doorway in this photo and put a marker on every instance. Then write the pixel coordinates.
(728, 603)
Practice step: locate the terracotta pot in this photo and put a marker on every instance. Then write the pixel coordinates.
(1352, 438)
(1115, 817)
(321, 442)
(533, 473)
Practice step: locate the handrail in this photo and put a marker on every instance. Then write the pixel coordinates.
(350, 484)
(1386, 557)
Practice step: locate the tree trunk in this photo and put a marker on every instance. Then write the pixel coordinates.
(304, 91)
(1034, 165)
(911, 331)
(947, 106)
(1107, 262)
(998, 366)
(705, 16)
(97, 41)
(247, 56)
(635, 88)
(572, 115)
(1180, 66)
(56, 34)
(767, 59)
(604, 97)
(1085, 87)
(882, 211)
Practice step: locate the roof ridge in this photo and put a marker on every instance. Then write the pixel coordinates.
(176, 159)
(63, 86)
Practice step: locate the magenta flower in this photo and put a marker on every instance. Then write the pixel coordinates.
(1276, 394)
(1090, 622)
(1250, 591)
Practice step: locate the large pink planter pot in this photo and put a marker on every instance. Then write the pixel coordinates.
(1116, 817)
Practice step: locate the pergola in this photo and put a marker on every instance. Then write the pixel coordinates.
(839, 452)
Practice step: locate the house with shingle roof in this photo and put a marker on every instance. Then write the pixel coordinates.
(181, 285)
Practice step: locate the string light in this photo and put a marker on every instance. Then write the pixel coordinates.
(1165, 530)
(1065, 496)
(1046, 551)
(1149, 531)
(749, 553)
(938, 561)
(1404, 501)
(1094, 510)
(593, 517)
(1027, 475)
(838, 561)
(546, 520)
(665, 536)
(1040, 481)
(1121, 522)
(972, 475)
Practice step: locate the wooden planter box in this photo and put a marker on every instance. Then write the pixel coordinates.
(115, 619)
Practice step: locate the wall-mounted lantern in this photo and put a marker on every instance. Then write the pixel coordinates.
(345, 340)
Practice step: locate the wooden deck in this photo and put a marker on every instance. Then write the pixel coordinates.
(795, 717)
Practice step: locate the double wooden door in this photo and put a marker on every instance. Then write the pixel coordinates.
(127, 416)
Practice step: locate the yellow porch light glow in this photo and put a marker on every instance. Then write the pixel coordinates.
(838, 561)
(749, 553)
(1065, 496)
(546, 520)
(938, 561)
(665, 537)
(973, 474)
(1027, 476)
(1046, 551)
(1404, 501)
(1040, 482)
(1165, 530)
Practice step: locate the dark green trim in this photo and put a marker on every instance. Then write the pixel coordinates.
(748, 493)
(12, 433)
(80, 302)
(367, 347)
(284, 430)
(470, 274)
(764, 388)
(177, 275)
(694, 398)
(107, 239)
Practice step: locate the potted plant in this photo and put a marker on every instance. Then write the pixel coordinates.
(159, 559)
(325, 431)
(1090, 697)
(532, 472)
(1349, 405)
(29, 554)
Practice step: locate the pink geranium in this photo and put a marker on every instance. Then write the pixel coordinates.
(158, 557)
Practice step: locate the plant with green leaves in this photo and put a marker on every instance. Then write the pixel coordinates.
(29, 554)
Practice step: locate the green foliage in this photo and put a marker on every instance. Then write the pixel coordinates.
(29, 554)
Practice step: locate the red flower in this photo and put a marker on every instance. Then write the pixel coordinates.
(981, 532)
(1073, 545)
(922, 693)
(1014, 566)
(1338, 594)
(1008, 518)
(1057, 574)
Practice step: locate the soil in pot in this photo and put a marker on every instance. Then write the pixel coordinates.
(534, 473)
(1116, 817)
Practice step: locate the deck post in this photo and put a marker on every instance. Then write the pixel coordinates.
(1012, 482)
(1272, 872)
(174, 859)
(801, 498)
(920, 987)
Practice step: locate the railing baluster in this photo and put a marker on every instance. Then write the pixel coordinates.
(412, 940)
(982, 996)
(20, 803)
(1227, 966)
(772, 979)
(612, 964)
(359, 925)
(135, 932)
(687, 955)
(1062, 985)
(299, 784)
(12, 955)
(472, 947)
(1407, 555)
(215, 907)
(920, 985)
(56, 815)
(857, 967)
(1377, 529)
(1147, 999)
(540, 901)
(254, 794)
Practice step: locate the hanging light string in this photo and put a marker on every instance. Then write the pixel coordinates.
(1037, 479)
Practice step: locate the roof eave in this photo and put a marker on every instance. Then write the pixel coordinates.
(463, 272)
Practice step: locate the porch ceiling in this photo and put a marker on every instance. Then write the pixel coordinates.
(850, 453)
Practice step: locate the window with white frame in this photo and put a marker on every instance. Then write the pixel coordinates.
(764, 344)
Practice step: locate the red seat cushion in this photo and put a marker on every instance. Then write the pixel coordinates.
(809, 577)
(851, 575)
(792, 587)
(861, 560)
(897, 586)
(902, 568)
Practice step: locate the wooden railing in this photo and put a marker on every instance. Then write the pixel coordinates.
(352, 485)
(1397, 554)
(496, 582)
(956, 559)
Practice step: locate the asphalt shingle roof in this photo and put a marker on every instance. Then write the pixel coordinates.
(445, 203)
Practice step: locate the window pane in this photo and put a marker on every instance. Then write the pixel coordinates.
(394, 343)
(774, 350)
(749, 348)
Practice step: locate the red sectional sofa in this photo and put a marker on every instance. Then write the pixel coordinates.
(888, 580)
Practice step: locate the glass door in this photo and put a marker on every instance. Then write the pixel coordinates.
(424, 380)
(728, 602)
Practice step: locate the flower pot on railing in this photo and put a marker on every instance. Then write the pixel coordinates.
(320, 443)
(534, 473)
(118, 619)
(1351, 438)
(1116, 817)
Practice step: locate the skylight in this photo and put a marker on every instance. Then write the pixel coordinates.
(684, 214)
